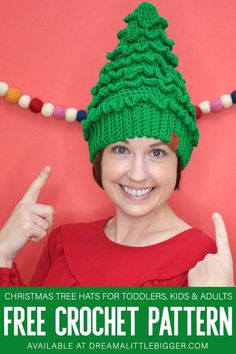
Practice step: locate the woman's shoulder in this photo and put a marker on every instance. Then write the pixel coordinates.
(199, 240)
(195, 236)
(73, 229)
(78, 232)
(178, 255)
(192, 246)
(70, 238)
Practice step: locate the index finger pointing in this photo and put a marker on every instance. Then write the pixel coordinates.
(222, 241)
(33, 191)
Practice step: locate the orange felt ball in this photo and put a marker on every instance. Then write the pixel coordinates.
(13, 94)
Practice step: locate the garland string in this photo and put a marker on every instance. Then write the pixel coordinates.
(13, 95)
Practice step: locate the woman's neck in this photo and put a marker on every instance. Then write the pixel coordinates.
(130, 230)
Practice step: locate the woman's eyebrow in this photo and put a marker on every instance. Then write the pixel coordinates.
(157, 144)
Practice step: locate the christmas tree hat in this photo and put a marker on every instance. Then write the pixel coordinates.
(140, 93)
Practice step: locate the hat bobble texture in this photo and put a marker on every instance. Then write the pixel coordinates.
(139, 92)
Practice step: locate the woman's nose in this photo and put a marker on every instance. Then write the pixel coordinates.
(137, 169)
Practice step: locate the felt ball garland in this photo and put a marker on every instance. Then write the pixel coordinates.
(13, 95)
(216, 105)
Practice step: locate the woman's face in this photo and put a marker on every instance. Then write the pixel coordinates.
(139, 174)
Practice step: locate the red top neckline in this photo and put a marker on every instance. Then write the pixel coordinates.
(174, 238)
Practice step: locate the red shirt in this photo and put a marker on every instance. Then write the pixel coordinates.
(81, 254)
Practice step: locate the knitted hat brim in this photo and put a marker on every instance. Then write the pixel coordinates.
(120, 126)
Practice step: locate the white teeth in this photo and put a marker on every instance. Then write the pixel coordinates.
(136, 192)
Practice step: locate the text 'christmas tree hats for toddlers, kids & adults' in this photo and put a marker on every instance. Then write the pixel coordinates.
(140, 93)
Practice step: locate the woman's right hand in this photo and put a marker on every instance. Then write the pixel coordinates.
(28, 221)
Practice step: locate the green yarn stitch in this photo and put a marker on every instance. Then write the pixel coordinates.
(139, 92)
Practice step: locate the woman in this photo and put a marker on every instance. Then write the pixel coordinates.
(141, 130)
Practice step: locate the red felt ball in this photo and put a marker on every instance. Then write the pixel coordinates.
(198, 112)
(36, 105)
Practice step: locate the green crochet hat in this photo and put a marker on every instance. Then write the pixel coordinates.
(139, 93)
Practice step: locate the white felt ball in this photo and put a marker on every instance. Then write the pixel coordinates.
(3, 88)
(205, 107)
(47, 109)
(24, 101)
(226, 100)
(70, 114)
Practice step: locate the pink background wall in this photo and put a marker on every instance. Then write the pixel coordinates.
(54, 50)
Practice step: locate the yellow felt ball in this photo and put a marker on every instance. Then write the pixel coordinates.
(13, 94)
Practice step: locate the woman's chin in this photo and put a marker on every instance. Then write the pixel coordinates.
(136, 210)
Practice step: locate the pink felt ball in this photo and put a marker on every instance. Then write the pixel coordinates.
(59, 112)
(216, 105)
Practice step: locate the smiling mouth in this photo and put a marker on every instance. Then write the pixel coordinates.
(137, 193)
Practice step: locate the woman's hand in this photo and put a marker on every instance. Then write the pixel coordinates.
(29, 221)
(215, 269)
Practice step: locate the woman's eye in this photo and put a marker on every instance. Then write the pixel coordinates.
(158, 153)
(119, 149)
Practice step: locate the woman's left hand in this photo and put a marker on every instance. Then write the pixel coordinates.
(215, 269)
